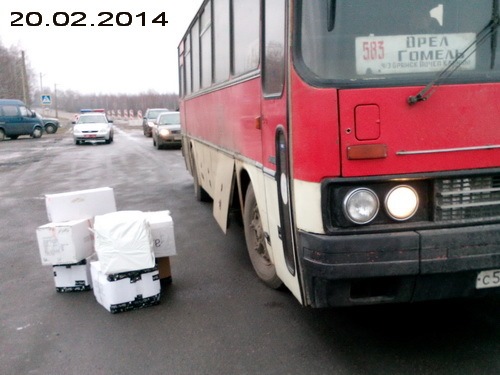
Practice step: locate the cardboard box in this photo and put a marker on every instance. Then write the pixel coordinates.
(73, 277)
(80, 204)
(162, 231)
(125, 291)
(65, 243)
(123, 242)
(164, 270)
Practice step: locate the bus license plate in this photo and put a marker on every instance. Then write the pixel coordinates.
(488, 279)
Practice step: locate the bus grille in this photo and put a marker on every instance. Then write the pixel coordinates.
(467, 198)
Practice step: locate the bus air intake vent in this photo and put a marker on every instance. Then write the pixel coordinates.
(467, 199)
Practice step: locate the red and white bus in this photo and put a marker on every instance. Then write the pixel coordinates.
(359, 139)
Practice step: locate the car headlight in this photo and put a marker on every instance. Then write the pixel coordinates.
(401, 202)
(164, 132)
(361, 205)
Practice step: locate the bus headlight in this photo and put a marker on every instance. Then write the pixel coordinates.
(361, 205)
(401, 202)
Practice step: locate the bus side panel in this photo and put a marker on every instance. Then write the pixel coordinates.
(231, 127)
(186, 149)
(206, 117)
(315, 132)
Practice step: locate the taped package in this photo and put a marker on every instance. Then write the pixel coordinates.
(81, 204)
(162, 231)
(73, 277)
(127, 290)
(68, 242)
(123, 242)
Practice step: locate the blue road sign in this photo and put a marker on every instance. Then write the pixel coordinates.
(46, 100)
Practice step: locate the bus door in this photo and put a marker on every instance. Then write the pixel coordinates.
(275, 143)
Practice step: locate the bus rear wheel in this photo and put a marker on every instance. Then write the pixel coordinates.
(256, 245)
(200, 194)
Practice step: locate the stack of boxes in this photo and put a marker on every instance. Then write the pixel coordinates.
(67, 242)
(132, 248)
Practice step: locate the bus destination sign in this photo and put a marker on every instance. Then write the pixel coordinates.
(421, 53)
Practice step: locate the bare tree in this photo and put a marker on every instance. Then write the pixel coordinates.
(17, 81)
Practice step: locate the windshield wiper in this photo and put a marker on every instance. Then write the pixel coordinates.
(489, 30)
(495, 16)
(331, 15)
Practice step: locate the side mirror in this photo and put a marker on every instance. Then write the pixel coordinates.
(33, 114)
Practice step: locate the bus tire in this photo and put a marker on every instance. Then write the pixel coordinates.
(200, 194)
(256, 242)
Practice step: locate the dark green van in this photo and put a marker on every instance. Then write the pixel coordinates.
(16, 119)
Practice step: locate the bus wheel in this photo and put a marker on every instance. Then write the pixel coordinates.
(256, 245)
(200, 193)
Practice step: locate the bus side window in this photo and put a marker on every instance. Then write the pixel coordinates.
(274, 47)
(221, 26)
(246, 35)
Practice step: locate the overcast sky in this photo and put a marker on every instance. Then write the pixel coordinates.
(98, 59)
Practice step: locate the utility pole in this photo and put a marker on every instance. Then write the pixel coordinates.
(41, 84)
(55, 99)
(24, 79)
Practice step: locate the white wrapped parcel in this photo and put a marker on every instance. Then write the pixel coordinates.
(123, 242)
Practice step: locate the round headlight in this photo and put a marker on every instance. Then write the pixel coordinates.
(361, 205)
(164, 132)
(401, 202)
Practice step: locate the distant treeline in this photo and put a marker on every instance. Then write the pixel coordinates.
(18, 81)
(72, 101)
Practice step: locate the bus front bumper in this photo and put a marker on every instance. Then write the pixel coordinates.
(397, 267)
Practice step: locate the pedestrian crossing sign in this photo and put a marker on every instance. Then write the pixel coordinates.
(46, 100)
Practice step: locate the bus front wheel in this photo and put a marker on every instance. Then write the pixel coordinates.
(256, 245)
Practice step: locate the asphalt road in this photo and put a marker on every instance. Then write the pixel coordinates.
(216, 317)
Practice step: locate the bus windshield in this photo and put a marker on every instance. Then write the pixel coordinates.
(395, 42)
